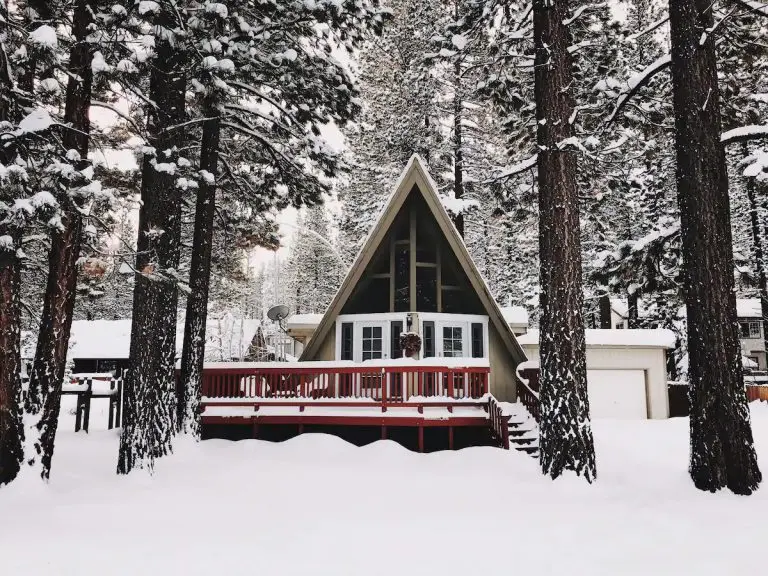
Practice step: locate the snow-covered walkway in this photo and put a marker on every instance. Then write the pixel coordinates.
(317, 505)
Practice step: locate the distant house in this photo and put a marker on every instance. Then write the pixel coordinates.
(751, 334)
(104, 345)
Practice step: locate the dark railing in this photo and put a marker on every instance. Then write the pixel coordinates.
(528, 392)
(86, 387)
(499, 422)
(380, 384)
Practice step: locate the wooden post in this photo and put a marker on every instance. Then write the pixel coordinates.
(255, 432)
(450, 437)
(421, 438)
(87, 407)
(383, 432)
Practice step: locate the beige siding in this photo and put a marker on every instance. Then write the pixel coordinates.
(327, 348)
(502, 367)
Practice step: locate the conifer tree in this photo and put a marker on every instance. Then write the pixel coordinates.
(722, 448)
(565, 433)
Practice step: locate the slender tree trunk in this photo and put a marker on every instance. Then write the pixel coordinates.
(11, 427)
(193, 352)
(59, 301)
(633, 298)
(757, 245)
(458, 164)
(565, 433)
(605, 312)
(722, 449)
(150, 388)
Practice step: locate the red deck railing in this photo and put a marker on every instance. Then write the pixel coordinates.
(383, 384)
(528, 393)
(499, 422)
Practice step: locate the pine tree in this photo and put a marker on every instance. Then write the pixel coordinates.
(722, 449)
(150, 406)
(565, 433)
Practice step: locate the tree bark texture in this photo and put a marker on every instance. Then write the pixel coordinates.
(59, 301)
(11, 428)
(193, 353)
(565, 433)
(150, 389)
(722, 450)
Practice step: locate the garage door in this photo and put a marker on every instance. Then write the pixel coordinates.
(617, 394)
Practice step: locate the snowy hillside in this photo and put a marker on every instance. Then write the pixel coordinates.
(317, 505)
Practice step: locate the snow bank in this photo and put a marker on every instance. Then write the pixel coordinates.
(316, 506)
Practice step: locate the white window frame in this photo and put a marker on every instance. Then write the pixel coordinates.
(385, 320)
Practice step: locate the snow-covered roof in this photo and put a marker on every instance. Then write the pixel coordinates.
(515, 315)
(619, 305)
(226, 337)
(655, 338)
(299, 321)
(748, 308)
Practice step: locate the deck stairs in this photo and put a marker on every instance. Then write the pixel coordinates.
(523, 430)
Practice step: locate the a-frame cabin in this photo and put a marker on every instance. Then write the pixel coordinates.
(413, 274)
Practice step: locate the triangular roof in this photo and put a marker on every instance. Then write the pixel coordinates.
(414, 177)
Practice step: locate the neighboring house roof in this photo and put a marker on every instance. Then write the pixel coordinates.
(515, 315)
(656, 338)
(303, 321)
(748, 308)
(226, 338)
(414, 176)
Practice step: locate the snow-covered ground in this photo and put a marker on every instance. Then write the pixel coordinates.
(317, 505)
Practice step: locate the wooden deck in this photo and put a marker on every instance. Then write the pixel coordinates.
(383, 395)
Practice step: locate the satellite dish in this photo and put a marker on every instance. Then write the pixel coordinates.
(278, 313)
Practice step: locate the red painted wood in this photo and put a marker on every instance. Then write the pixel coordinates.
(389, 421)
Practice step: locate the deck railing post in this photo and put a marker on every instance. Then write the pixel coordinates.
(385, 377)
(451, 375)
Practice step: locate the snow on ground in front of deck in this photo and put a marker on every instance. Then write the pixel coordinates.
(316, 505)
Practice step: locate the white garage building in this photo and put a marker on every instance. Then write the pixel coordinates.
(626, 371)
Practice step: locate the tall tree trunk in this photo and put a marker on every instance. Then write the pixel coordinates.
(150, 389)
(11, 429)
(605, 312)
(59, 301)
(722, 449)
(757, 245)
(566, 436)
(193, 352)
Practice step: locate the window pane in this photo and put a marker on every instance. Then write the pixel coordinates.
(366, 331)
(376, 330)
(477, 340)
(346, 341)
(429, 339)
(395, 330)
(402, 278)
(426, 289)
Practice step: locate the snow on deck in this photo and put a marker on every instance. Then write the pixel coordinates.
(429, 413)
(515, 315)
(316, 506)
